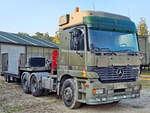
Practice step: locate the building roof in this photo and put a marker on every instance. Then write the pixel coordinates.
(17, 39)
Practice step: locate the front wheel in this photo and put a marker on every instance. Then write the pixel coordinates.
(69, 95)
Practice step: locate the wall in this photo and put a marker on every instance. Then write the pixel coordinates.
(144, 47)
(0, 60)
(14, 52)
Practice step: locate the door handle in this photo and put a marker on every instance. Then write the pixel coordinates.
(80, 54)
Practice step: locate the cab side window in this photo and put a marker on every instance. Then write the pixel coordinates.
(77, 40)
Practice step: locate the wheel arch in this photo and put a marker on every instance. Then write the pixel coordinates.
(62, 79)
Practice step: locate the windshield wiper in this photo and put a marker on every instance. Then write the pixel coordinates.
(105, 50)
(126, 50)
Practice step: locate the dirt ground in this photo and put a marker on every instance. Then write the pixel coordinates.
(13, 100)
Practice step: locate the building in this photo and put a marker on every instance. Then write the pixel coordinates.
(14, 47)
(144, 47)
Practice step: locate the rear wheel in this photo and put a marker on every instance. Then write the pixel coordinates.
(68, 94)
(24, 83)
(15, 79)
(35, 87)
(7, 78)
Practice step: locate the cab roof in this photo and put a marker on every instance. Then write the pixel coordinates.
(77, 17)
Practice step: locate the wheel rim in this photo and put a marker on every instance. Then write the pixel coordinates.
(68, 94)
(33, 84)
(25, 83)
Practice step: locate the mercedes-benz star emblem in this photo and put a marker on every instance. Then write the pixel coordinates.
(120, 72)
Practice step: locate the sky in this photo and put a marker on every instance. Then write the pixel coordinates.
(33, 16)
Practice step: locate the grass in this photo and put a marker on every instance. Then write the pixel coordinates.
(2, 93)
(13, 108)
(2, 82)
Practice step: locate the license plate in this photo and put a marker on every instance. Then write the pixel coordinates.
(120, 86)
(98, 99)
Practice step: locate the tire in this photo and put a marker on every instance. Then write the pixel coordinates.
(17, 80)
(14, 79)
(35, 87)
(116, 102)
(68, 94)
(24, 83)
(7, 78)
(45, 92)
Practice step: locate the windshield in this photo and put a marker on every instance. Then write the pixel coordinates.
(112, 41)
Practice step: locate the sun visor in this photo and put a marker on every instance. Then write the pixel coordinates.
(111, 24)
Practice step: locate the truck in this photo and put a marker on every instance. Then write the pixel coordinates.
(98, 61)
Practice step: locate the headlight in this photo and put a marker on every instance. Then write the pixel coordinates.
(98, 91)
(110, 91)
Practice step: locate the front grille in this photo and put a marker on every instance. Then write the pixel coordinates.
(119, 90)
(110, 74)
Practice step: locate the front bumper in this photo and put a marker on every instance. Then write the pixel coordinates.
(112, 92)
(110, 99)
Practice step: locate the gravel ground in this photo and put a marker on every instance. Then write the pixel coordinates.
(13, 100)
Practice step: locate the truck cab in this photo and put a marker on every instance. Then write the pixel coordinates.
(99, 60)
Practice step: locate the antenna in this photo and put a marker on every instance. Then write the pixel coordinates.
(129, 13)
(93, 6)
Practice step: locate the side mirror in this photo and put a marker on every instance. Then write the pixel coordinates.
(75, 35)
(76, 32)
(141, 55)
(76, 43)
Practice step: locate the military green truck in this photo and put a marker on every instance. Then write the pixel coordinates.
(98, 61)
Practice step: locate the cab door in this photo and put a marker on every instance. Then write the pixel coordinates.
(77, 48)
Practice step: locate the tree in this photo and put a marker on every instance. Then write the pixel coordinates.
(43, 35)
(142, 27)
(46, 36)
(50, 38)
(23, 34)
(39, 35)
(56, 38)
